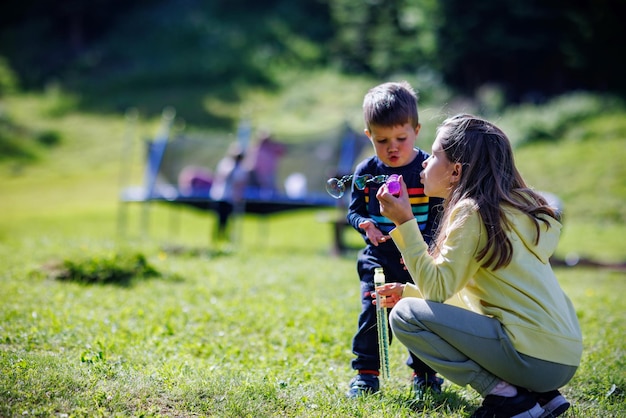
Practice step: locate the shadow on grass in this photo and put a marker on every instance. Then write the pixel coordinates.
(446, 403)
(203, 252)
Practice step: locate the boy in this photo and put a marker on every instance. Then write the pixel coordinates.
(392, 125)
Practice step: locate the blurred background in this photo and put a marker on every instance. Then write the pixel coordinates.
(80, 80)
(201, 57)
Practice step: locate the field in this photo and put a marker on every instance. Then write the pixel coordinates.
(261, 328)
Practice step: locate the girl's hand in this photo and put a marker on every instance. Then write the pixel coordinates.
(398, 209)
(392, 293)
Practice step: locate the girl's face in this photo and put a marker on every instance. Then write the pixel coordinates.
(439, 174)
(394, 145)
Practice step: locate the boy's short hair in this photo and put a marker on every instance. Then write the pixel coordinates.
(391, 104)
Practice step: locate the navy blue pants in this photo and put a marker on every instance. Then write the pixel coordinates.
(365, 341)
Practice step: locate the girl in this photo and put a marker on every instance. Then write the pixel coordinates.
(513, 334)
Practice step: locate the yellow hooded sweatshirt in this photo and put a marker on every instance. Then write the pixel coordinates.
(524, 296)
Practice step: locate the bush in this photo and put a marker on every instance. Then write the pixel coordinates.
(529, 122)
(18, 142)
(8, 79)
(49, 138)
(14, 141)
(115, 269)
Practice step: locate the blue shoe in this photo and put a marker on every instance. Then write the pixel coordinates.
(425, 383)
(553, 403)
(363, 384)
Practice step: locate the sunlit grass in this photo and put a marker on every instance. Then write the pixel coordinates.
(263, 329)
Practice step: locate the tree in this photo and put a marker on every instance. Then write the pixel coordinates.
(382, 37)
(534, 48)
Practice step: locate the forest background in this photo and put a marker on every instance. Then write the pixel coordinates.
(145, 53)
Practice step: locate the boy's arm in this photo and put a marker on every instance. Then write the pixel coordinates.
(357, 211)
(361, 221)
(358, 216)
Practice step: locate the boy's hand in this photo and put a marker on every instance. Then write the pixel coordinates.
(373, 233)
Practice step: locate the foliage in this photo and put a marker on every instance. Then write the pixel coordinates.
(13, 142)
(8, 78)
(190, 52)
(533, 49)
(118, 268)
(586, 165)
(382, 38)
(19, 143)
(549, 122)
(45, 40)
(184, 52)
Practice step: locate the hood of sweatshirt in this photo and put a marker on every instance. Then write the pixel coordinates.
(525, 229)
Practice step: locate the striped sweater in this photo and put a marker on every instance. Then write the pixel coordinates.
(364, 206)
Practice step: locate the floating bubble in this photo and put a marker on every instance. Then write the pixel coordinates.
(335, 187)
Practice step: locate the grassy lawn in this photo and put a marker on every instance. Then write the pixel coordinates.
(259, 329)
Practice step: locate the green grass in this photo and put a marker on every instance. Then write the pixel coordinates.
(259, 329)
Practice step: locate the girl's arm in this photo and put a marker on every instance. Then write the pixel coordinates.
(437, 278)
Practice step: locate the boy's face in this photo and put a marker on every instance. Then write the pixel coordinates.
(394, 145)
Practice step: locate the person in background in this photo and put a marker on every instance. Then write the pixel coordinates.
(514, 336)
(195, 181)
(392, 125)
(262, 163)
(229, 183)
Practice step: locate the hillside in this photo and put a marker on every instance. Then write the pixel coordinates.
(80, 176)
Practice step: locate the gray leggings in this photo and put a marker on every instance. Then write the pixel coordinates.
(470, 349)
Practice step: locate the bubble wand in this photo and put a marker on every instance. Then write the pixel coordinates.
(381, 325)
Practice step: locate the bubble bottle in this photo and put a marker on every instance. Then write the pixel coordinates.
(381, 325)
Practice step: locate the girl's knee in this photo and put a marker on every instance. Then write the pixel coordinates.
(405, 314)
